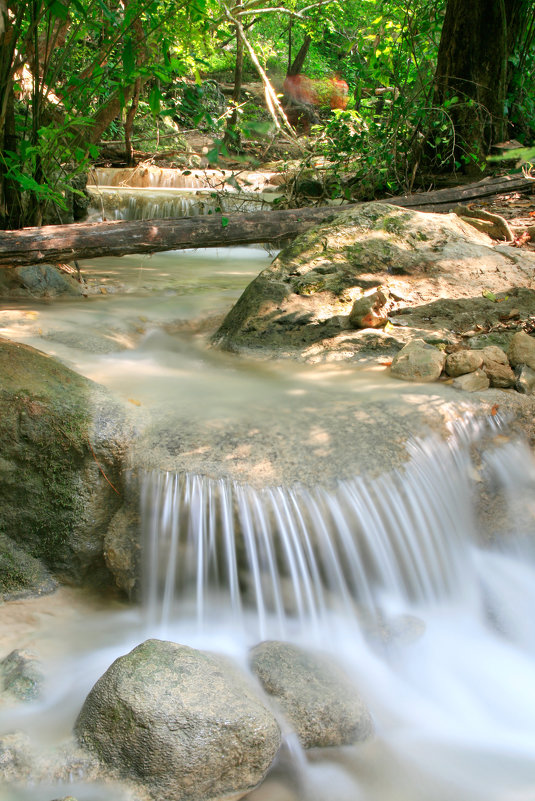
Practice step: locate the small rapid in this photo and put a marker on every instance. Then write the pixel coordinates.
(409, 559)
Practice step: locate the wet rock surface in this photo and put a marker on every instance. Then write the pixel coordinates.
(63, 444)
(21, 676)
(320, 702)
(184, 723)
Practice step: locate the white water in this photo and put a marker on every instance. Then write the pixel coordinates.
(387, 573)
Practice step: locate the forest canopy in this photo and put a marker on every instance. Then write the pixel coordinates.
(426, 87)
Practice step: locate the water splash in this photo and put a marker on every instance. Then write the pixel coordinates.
(289, 558)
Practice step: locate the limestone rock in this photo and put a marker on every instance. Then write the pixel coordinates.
(21, 575)
(499, 375)
(525, 380)
(492, 353)
(522, 350)
(318, 699)
(298, 301)
(462, 362)
(37, 280)
(59, 432)
(472, 382)
(418, 361)
(20, 675)
(369, 311)
(184, 723)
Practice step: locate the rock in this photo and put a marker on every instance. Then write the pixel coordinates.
(59, 434)
(492, 353)
(499, 375)
(472, 382)
(184, 723)
(525, 380)
(21, 675)
(321, 703)
(21, 575)
(369, 311)
(37, 280)
(418, 361)
(522, 350)
(463, 361)
(422, 258)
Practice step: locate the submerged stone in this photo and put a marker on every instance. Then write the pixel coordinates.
(21, 675)
(315, 695)
(184, 723)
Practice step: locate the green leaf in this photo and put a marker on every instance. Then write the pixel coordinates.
(128, 57)
(489, 295)
(57, 9)
(224, 222)
(155, 98)
(213, 155)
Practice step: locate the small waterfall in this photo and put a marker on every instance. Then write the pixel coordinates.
(284, 559)
(148, 193)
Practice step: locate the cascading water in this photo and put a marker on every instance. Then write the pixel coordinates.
(419, 578)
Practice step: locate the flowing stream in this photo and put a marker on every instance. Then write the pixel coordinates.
(311, 503)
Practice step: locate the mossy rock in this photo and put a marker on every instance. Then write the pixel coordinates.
(21, 575)
(62, 443)
(304, 299)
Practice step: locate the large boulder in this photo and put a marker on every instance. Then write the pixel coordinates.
(63, 443)
(38, 280)
(302, 302)
(321, 703)
(184, 723)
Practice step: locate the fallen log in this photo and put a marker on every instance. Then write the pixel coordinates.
(64, 243)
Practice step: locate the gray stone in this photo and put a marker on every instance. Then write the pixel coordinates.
(322, 704)
(184, 723)
(21, 676)
(369, 311)
(525, 380)
(472, 382)
(522, 350)
(38, 280)
(418, 361)
(462, 362)
(500, 375)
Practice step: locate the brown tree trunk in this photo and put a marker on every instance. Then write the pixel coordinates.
(472, 66)
(297, 64)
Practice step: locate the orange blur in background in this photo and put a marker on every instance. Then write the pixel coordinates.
(322, 93)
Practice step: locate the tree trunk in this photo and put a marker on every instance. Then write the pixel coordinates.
(472, 66)
(129, 123)
(232, 136)
(297, 64)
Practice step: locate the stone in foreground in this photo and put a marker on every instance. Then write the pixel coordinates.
(472, 382)
(463, 361)
(184, 723)
(522, 350)
(418, 361)
(314, 694)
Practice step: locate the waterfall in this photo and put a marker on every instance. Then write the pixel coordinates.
(284, 559)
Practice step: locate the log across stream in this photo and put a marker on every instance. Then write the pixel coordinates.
(65, 243)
